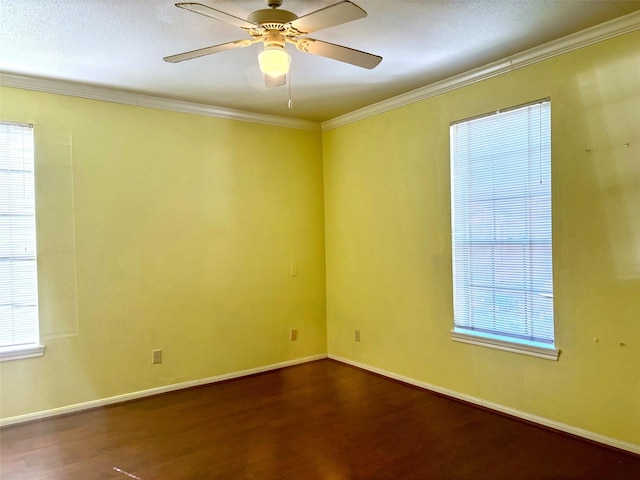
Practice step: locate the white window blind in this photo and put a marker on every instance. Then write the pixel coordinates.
(501, 221)
(18, 280)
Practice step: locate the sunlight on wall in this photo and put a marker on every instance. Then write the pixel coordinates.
(611, 93)
(57, 285)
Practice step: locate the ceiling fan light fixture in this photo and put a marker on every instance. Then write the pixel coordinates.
(274, 61)
(275, 27)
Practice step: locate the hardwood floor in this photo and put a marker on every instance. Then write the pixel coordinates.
(320, 420)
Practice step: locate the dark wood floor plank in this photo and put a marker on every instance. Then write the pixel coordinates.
(322, 420)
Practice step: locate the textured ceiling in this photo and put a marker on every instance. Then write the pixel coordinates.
(120, 44)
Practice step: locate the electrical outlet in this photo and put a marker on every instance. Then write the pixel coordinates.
(157, 356)
(294, 334)
(357, 336)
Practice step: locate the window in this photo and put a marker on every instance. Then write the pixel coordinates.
(501, 230)
(18, 278)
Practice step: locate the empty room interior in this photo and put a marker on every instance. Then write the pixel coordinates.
(197, 228)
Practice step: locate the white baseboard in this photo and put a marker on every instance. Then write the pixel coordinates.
(579, 432)
(612, 442)
(152, 391)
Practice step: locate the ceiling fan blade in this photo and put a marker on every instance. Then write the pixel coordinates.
(271, 82)
(338, 52)
(201, 52)
(336, 14)
(217, 14)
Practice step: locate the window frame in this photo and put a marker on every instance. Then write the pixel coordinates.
(466, 333)
(32, 349)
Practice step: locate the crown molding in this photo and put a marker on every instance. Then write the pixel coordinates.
(613, 28)
(92, 92)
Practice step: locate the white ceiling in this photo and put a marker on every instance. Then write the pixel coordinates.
(120, 44)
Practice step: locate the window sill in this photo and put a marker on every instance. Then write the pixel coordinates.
(19, 352)
(525, 348)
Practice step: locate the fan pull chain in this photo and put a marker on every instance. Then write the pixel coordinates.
(290, 102)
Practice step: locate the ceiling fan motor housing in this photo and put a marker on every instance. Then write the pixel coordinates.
(271, 19)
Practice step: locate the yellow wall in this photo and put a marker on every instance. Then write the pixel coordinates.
(184, 237)
(387, 223)
(185, 230)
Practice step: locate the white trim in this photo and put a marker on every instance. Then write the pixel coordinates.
(92, 92)
(78, 407)
(21, 351)
(598, 33)
(548, 353)
(613, 28)
(563, 427)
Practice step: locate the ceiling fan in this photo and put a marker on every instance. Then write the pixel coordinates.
(275, 27)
